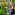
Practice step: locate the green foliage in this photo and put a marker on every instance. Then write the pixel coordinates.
(14, 4)
(3, 9)
(0, 7)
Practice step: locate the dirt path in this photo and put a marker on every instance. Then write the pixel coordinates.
(7, 13)
(13, 14)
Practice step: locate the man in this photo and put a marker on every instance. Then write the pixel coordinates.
(11, 8)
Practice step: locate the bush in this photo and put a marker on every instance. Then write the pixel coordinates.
(3, 12)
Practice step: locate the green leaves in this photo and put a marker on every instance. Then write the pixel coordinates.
(3, 9)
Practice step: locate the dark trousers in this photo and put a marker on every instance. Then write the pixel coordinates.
(11, 13)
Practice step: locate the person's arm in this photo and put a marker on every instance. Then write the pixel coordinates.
(11, 7)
